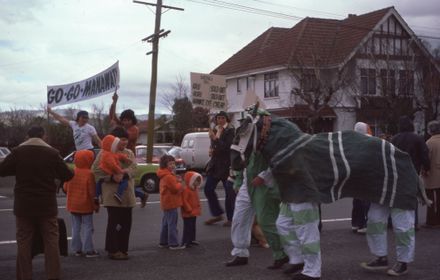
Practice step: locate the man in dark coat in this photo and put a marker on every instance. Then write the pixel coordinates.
(218, 169)
(407, 141)
(36, 165)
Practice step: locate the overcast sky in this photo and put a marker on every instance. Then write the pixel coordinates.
(48, 42)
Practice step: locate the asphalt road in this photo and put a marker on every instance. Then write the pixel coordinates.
(342, 251)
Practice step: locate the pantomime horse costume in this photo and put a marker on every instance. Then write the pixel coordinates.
(322, 168)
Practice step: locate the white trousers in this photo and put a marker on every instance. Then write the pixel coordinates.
(297, 225)
(403, 227)
(242, 222)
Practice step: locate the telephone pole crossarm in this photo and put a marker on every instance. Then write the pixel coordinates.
(163, 6)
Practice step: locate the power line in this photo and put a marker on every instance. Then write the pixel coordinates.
(297, 8)
(247, 9)
(252, 10)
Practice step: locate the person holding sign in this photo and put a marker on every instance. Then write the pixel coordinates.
(83, 132)
(218, 169)
(128, 120)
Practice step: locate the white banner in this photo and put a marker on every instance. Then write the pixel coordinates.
(209, 91)
(103, 83)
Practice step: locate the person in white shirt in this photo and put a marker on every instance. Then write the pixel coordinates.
(83, 133)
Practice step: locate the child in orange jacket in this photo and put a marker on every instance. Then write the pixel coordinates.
(110, 164)
(170, 200)
(80, 191)
(191, 207)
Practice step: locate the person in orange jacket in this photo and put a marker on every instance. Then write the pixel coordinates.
(80, 192)
(171, 190)
(191, 207)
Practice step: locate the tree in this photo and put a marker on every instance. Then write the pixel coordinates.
(179, 89)
(200, 117)
(317, 87)
(182, 117)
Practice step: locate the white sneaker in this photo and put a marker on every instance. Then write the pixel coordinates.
(177, 247)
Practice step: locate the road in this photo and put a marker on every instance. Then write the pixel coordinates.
(342, 251)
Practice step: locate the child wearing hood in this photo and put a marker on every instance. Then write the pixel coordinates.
(171, 190)
(80, 192)
(191, 207)
(110, 164)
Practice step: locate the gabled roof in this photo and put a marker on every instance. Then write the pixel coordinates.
(330, 40)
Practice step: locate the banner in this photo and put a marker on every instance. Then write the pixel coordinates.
(209, 91)
(103, 83)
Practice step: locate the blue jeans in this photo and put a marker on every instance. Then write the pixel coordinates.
(211, 195)
(82, 223)
(139, 192)
(168, 233)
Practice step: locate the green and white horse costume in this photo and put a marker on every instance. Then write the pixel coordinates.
(325, 167)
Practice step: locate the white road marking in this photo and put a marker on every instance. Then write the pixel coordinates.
(7, 242)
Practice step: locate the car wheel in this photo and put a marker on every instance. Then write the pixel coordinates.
(150, 183)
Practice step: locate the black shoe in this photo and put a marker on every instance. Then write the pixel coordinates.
(279, 263)
(293, 268)
(237, 261)
(398, 269)
(301, 276)
(377, 264)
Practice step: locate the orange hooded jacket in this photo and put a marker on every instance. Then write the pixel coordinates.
(190, 196)
(110, 159)
(81, 188)
(170, 190)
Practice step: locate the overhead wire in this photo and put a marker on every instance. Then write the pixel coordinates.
(252, 10)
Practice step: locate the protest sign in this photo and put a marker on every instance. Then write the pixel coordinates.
(209, 91)
(102, 83)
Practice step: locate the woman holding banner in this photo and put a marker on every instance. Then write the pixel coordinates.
(128, 120)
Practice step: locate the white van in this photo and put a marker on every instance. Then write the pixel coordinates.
(195, 150)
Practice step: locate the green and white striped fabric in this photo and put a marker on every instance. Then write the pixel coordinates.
(328, 166)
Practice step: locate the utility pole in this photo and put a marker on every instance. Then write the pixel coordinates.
(154, 39)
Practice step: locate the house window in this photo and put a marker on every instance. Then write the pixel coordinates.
(368, 81)
(271, 85)
(309, 82)
(238, 85)
(388, 82)
(406, 82)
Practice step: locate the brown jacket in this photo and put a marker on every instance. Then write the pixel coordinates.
(35, 165)
(109, 187)
(432, 181)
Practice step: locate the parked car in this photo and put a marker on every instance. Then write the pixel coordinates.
(145, 175)
(4, 152)
(158, 152)
(195, 150)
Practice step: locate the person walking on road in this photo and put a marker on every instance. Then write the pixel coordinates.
(119, 213)
(432, 178)
(407, 141)
(256, 197)
(360, 208)
(80, 192)
(403, 220)
(83, 133)
(36, 165)
(218, 170)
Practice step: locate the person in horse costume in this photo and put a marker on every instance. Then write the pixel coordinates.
(325, 167)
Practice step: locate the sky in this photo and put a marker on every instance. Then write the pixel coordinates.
(48, 42)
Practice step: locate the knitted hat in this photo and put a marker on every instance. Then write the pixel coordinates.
(191, 177)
